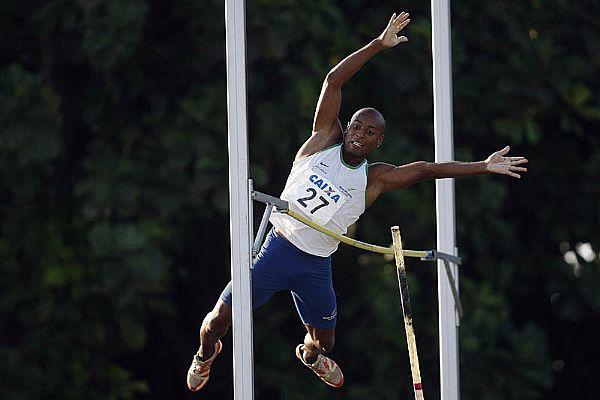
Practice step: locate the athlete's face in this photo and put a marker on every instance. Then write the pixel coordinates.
(364, 133)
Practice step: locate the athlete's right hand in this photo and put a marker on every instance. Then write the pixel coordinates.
(389, 37)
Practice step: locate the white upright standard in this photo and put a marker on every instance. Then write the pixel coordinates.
(446, 232)
(239, 204)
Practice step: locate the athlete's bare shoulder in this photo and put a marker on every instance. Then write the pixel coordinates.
(320, 140)
(376, 169)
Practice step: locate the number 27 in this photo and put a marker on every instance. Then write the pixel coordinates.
(313, 194)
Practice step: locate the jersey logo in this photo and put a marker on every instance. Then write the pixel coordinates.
(320, 166)
(317, 167)
(324, 186)
(347, 191)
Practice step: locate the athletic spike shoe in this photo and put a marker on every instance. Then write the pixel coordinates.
(199, 371)
(324, 367)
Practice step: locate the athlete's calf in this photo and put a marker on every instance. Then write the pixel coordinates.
(317, 341)
(214, 327)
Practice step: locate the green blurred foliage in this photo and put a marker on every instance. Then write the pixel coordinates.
(114, 195)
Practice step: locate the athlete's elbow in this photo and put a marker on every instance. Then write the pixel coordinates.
(425, 170)
(334, 79)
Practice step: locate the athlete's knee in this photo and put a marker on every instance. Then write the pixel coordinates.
(217, 322)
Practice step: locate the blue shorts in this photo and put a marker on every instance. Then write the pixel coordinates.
(282, 266)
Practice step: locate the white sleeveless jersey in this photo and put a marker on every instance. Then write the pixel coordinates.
(329, 192)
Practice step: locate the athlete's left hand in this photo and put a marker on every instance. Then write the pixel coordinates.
(389, 37)
(498, 164)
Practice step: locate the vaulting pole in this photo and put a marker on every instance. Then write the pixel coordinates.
(239, 201)
(407, 313)
(446, 231)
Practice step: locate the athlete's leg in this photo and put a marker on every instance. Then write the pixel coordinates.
(214, 327)
(317, 306)
(266, 280)
(317, 341)
(217, 322)
(268, 277)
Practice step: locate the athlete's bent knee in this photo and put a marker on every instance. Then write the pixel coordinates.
(217, 322)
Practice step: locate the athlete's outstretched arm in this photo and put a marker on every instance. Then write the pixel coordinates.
(385, 177)
(327, 129)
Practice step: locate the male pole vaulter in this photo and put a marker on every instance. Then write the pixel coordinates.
(332, 184)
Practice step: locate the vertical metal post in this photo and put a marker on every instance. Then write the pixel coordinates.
(235, 38)
(446, 232)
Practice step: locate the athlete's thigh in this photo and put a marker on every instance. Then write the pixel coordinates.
(267, 273)
(315, 298)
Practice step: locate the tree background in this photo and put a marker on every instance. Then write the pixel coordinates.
(114, 195)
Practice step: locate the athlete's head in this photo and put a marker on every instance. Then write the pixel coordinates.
(365, 132)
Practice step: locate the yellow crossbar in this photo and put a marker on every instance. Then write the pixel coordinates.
(352, 242)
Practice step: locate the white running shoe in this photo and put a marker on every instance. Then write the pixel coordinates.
(324, 367)
(199, 371)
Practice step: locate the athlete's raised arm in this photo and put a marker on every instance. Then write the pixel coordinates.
(385, 177)
(327, 129)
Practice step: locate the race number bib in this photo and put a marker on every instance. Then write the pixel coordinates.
(316, 197)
